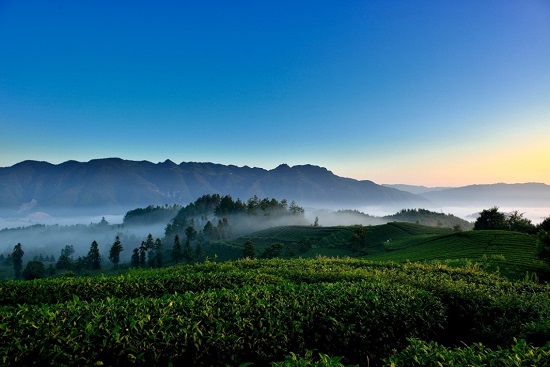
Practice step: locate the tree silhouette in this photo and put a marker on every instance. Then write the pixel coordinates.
(17, 257)
(134, 261)
(491, 219)
(34, 270)
(93, 258)
(187, 252)
(176, 250)
(158, 253)
(142, 253)
(114, 252)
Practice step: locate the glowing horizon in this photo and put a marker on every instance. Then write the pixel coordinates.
(432, 94)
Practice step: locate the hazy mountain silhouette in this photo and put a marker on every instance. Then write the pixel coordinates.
(415, 189)
(123, 184)
(501, 194)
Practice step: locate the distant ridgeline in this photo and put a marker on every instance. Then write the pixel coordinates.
(122, 184)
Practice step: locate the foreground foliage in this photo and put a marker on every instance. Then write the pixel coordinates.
(260, 311)
(420, 353)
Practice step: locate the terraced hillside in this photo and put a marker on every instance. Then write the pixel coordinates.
(511, 253)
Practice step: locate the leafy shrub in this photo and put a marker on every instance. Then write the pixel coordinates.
(308, 360)
(253, 323)
(420, 353)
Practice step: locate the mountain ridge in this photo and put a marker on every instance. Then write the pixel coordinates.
(119, 183)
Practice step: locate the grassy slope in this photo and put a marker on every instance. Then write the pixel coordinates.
(510, 253)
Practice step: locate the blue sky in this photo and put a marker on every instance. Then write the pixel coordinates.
(420, 92)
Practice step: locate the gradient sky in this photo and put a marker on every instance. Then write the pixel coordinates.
(438, 93)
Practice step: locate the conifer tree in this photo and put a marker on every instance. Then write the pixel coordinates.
(17, 257)
(151, 251)
(176, 250)
(199, 250)
(142, 253)
(134, 262)
(158, 253)
(187, 254)
(93, 258)
(114, 252)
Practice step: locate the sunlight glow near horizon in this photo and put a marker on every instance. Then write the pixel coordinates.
(435, 94)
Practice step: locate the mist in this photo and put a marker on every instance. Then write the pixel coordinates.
(44, 234)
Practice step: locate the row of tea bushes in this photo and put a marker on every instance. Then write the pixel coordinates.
(462, 305)
(259, 324)
(431, 354)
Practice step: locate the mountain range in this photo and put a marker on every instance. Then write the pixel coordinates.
(121, 185)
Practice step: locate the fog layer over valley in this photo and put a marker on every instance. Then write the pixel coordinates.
(103, 198)
(212, 218)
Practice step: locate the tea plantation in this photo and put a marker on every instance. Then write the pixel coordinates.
(508, 253)
(285, 312)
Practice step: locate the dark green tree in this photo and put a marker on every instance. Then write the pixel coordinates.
(190, 232)
(223, 230)
(188, 252)
(544, 225)
(68, 251)
(158, 253)
(114, 252)
(94, 258)
(51, 270)
(17, 258)
(273, 251)
(176, 250)
(295, 209)
(491, 219)
(82, 262)
(516, 222)
(249, 252)
(134, 261)
(34, 270)
(142, 254)
(64, 262)
(150, 245)
(208, 229)
(199, 250)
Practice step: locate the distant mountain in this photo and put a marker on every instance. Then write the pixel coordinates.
(413, 189)
(502, 195)
(122, 184)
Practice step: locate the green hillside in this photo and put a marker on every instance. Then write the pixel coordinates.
(511, 253)
(311, 241)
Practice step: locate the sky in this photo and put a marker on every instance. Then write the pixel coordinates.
(434, 93)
